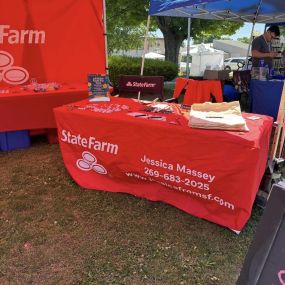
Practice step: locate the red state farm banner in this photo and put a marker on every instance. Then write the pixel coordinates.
(120, 147)
(51, 40)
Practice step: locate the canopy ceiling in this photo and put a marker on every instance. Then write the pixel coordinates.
(271, 11)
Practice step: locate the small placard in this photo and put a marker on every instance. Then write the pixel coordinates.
(98, 87)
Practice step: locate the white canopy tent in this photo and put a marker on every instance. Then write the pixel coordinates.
(154, 55)
(205, 58)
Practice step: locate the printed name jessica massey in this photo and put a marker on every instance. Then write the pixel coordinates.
(179, 167)
(158, 163)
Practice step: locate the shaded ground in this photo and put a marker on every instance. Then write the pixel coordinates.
(54, 232)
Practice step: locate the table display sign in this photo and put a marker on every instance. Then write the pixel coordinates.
(98, 87)
(129, 84)
(124, 146)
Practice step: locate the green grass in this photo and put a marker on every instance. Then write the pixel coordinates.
(54, 232)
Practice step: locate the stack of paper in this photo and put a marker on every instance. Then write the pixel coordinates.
(222, 116)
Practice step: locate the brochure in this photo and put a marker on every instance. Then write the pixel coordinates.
(98, 88)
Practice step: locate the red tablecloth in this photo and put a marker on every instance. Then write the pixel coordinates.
(210, 174)
(26, 110)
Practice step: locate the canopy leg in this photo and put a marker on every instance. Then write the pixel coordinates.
(144, 50)
(188, 48)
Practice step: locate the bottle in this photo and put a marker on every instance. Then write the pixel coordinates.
(271, 73)
(261, 62)
(266, 71)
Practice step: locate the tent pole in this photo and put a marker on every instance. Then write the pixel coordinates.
(279, 123)
(251, 35)
(144, 49)
(188, 47)
(105, 36)
(145, 44)
(249, 44)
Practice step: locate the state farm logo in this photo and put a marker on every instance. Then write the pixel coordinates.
(140, 84)
(89, 162)
(21, 36)
(10, 74)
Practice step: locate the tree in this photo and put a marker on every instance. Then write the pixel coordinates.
(175, 32)
(125, 38)
(126, 20)
(244, 40)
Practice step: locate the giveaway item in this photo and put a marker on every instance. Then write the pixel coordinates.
(42, 87)
(147, 116)
(221, 116)
(162, 107)
(98, 88)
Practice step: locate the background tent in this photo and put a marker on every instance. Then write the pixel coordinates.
(154, 55)
(262, 11)
(59, 41)
(205, 57)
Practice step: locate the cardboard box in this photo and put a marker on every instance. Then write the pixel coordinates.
(216, 74)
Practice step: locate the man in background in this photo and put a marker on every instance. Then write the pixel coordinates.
(261, 47)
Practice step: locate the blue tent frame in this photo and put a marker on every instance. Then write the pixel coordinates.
(255, 11)
(279, 24)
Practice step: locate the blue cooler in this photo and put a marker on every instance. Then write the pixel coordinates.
(14, 140)
(230, 94)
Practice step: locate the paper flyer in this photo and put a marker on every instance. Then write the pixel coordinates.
(98, 87)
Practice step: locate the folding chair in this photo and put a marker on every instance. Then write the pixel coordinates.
(131, 85)
(197, 91)
(241, 81)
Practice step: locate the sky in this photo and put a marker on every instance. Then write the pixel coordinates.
(244, 31)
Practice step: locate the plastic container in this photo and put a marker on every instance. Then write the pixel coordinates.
(271, 73)
(15, 139)
(259, 73)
